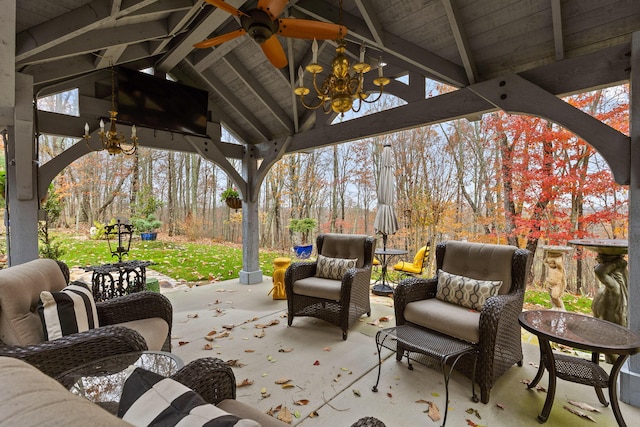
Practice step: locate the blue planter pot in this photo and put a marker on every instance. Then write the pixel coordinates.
(148, 236)
(303, 251)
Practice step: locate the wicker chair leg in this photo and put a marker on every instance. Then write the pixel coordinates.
(484, 394)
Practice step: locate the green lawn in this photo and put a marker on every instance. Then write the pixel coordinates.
(193, 262)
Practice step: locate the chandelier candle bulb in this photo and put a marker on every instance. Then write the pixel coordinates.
(86, 129)
(314, 49)
(300, 76)
(133, 131)
(101, 125)
(362, 49)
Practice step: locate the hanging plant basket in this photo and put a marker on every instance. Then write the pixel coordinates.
(233, 202)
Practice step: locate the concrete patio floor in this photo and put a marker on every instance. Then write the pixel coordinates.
(336, 376)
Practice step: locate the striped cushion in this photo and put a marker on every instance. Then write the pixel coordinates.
(149, 399)
(67, 312)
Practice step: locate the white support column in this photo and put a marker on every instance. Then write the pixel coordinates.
(250, 273)
(22, 218)
(630, 374)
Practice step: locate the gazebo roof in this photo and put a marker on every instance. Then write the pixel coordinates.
(545, 46)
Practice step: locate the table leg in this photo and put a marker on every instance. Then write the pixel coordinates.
(379, 346)
(545, 348)
(540, 372)
(595, 358)
(613, 389)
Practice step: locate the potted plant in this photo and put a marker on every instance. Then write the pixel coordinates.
(231, 197)
(304, 226)
(147, 227)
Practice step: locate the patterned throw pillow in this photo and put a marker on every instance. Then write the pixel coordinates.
(67, 312)
(149, 399)
(460, 290)
(333, 268)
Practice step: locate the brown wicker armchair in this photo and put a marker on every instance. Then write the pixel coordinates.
(21, 333)
(495, 328)
(341, 302)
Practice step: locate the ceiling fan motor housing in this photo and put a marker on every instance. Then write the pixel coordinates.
(259, 25)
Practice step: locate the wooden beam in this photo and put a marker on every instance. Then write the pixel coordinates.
(371, 18)
(558, 38)
(461, 40)
(259, 91)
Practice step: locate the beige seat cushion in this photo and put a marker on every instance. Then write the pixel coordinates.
(30, 398)
(243, 410)
(446, 318)
(20, 288)
(318, 287)
(154, 330)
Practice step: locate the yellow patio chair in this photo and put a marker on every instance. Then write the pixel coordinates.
(417, 266)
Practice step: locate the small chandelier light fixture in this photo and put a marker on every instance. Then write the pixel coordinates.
(111, 140)
(342, 87)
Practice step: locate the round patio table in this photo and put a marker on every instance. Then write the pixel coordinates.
(585, 333)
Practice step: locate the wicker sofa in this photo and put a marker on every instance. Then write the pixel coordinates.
(137, 322)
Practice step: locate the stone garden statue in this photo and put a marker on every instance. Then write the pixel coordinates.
(556, 279)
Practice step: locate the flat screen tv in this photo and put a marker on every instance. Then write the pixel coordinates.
(149, 101)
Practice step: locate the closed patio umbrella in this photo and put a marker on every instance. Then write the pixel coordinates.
(386, 222)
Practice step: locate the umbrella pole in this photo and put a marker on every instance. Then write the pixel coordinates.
(384, 242)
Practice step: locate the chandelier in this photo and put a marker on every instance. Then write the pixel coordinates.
(111, 140)
(344, 85)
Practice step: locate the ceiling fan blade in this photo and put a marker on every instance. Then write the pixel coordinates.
(274, 52)
(307, 29)
(273, 7)
(221, 4)
(215, 41)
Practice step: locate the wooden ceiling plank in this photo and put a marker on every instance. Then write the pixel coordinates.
(461, 40)
(433, 64)
(259, 91)
(109, 56)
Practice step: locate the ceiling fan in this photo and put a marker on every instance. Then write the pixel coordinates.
(262, 24)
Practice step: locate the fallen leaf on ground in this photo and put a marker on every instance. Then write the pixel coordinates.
(541, 389)
(282, 381)
(229, 327)
(472, 411)
(249, 350)
(579, 413)
(260, 334)
(288, 385)
(192, 316)
(285, 415)
(433, 412)
(500, 405)
(285, 350)
(584, 406)
(208, 346)
(263, 390)
(273, 411)
(235, 363)
(316, 363)
(389, 395)
(301, 402)
(244, 382)
(223, 334)
(314, 414)
(208, 338)
(357, 392)
(471, 423)
(326, 349)
(212, 332)
(183, 342)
